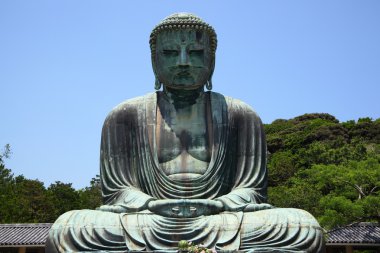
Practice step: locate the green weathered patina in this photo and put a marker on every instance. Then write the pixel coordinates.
(184, 164)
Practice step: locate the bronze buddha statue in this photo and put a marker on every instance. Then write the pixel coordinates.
(184, 164)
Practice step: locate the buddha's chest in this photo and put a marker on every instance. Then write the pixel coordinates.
(183, 141)
(191, 137)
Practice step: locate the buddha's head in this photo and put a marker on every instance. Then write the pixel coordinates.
(183, 52)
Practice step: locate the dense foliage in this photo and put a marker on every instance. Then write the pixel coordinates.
(329, 168)
(24, 200)
(316, 163)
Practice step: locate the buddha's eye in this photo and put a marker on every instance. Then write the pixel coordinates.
(170, 52)
(196, 52)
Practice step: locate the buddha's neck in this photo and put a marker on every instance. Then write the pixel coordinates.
(183, 98)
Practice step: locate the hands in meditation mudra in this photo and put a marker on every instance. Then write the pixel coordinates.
(184, 164)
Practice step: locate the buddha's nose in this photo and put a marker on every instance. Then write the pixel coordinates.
(183, 58)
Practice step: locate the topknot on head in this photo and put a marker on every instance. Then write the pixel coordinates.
(179, 21)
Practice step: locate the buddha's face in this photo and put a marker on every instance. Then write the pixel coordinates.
(183, 59)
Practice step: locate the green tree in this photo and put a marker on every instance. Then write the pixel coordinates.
(91, 197)
(281, 167)
(29, 201)
(331, 169)
(63, 198)
(26, 200)
(22, 200)
(338, 210)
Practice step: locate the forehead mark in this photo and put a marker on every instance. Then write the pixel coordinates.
(198, 35)
(183, 36)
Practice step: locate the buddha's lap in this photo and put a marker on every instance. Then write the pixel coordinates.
(94, 221)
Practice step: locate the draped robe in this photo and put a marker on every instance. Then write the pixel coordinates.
(236, 175)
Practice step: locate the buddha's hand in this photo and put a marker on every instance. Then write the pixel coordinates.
(112, 209)
(185, 208)
(257, 207)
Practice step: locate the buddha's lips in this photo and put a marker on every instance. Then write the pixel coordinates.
(183, 74)
(176, 70)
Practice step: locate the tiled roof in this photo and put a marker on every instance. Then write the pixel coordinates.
(362, 232)
(24, 234)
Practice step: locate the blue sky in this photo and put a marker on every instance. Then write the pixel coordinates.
(65, 64)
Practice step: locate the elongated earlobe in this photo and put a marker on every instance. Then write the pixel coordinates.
(157, 84)
(209, 84)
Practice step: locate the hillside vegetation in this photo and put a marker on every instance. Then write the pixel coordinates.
(328, 168)
(25, 200)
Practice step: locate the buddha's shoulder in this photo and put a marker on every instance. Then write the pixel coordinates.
(235, 106)
(132, 106)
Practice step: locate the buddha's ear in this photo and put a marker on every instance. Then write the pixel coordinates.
(212, 67)
(157, 82)
(209, 84)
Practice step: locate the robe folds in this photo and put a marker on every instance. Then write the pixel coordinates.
(236, 175)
